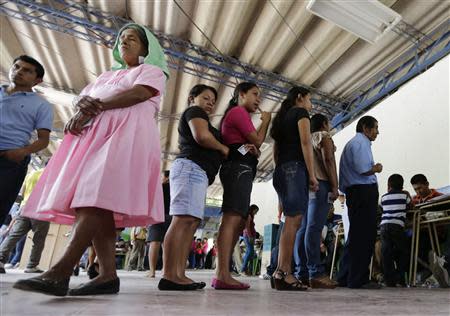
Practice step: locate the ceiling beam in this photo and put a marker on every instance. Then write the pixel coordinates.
(90, 24)
(427, 50)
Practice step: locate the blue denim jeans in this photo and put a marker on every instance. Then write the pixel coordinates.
(188, 185)
(249, 253)
(192, 263)
(307, 240)
(274, 252)
(290, 180)
(16, 254)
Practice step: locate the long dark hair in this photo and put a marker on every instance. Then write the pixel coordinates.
(243, 87)
(288, 103)
(317, 121)
(198, 89)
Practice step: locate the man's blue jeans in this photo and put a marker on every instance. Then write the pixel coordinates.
(16, 255)
(249, 253)
(308, 238)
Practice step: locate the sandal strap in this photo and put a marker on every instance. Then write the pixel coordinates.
(282, 273)
(298, 285)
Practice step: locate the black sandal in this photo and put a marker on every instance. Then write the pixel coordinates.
(282, 285)
(272, 282)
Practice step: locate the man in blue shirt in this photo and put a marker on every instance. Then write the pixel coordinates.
(358, 181)
(21, 112)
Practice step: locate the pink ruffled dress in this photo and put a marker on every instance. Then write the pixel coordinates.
(113, 165)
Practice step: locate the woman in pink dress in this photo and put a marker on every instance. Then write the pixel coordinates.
(105, 173)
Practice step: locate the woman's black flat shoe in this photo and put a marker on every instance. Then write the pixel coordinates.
(92, 271)
(167, 285)
(200, 285)
(109, 287)
(42, 285)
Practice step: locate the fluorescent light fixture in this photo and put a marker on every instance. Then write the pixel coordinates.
(367, 19)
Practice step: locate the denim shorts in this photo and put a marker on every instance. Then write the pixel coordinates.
(157, 232)
(188, 185)
(237, 181)
(290, 180)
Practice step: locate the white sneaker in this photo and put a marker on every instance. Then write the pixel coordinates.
(438, 270)
(265, 276)
(33, 270)
(11, 266)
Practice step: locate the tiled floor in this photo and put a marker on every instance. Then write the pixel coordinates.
(139, 296)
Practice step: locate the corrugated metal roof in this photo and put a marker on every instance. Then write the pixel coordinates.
(276, 35)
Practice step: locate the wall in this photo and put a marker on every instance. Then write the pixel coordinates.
(265, 197)
(414, 137)
(414, 130)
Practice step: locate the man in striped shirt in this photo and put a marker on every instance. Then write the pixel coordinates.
(394, 244)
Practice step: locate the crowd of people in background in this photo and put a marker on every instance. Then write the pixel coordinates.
(112, 129)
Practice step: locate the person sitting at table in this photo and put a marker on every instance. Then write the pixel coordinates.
(422, 188)
(438, 265)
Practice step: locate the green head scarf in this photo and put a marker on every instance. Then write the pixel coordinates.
(155, 54)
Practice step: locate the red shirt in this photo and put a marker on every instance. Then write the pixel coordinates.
(249, 230)
(205, 247)
(236, 126)
(198, 248)
(417, 199)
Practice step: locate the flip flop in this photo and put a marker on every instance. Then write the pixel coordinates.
(220, 285)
